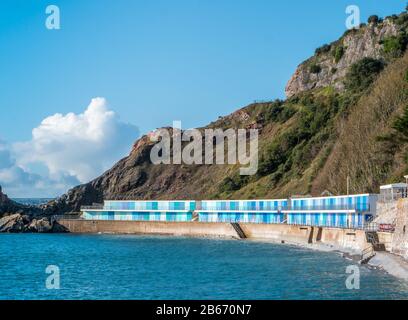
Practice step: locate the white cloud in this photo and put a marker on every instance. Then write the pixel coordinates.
(66, 150)
(14, 179)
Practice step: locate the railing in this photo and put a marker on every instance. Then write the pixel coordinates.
(358, 226)
(357, 207)
(371, 227)
(365, 226)
(200, 207)
(367, 254)
(93, 207)
(69, 216)
(379, 227)
(394, 196)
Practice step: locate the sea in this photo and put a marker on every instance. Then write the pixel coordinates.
(101, 266)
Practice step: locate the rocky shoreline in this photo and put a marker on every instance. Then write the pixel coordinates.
(20, 223)
(16, 218)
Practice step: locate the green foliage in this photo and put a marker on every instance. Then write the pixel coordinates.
(402, 20)
(373, 19)
(273, 111)
(233, 183)
(287, 113)
(315, 68)
(363, 73)
(338, 53)
(277, 112)
(395, 46)
(295, 148)
(323, 49)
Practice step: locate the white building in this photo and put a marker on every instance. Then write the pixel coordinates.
(393, 191)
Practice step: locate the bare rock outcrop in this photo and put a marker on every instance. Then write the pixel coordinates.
(13, 223)
(333, 62)
(19, 223)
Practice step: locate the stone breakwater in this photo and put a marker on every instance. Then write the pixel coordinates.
(349, 240)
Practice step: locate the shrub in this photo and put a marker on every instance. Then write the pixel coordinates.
(363, 73)
(286, 114)
(233, 183)
(315, 68)
(395, 46)
(373, 19)
(402, 19)
(323, 49)
(273, 111)
(338, 53)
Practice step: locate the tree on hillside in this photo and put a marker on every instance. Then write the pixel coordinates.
(373, 19)
(363, 73)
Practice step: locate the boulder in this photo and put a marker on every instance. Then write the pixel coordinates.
(13, 223)
(42, 225)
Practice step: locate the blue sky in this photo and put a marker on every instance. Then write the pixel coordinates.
(156, 61)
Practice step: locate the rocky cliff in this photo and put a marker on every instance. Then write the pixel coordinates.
(329, 65)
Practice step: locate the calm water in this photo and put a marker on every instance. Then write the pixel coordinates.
(32, 201)
(141, 267)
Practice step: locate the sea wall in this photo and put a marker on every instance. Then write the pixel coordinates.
(198, 229)
(335, 237)
(344, 238)
(386, 238)
(278, 232)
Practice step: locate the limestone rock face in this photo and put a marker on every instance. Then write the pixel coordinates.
(356, 45)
